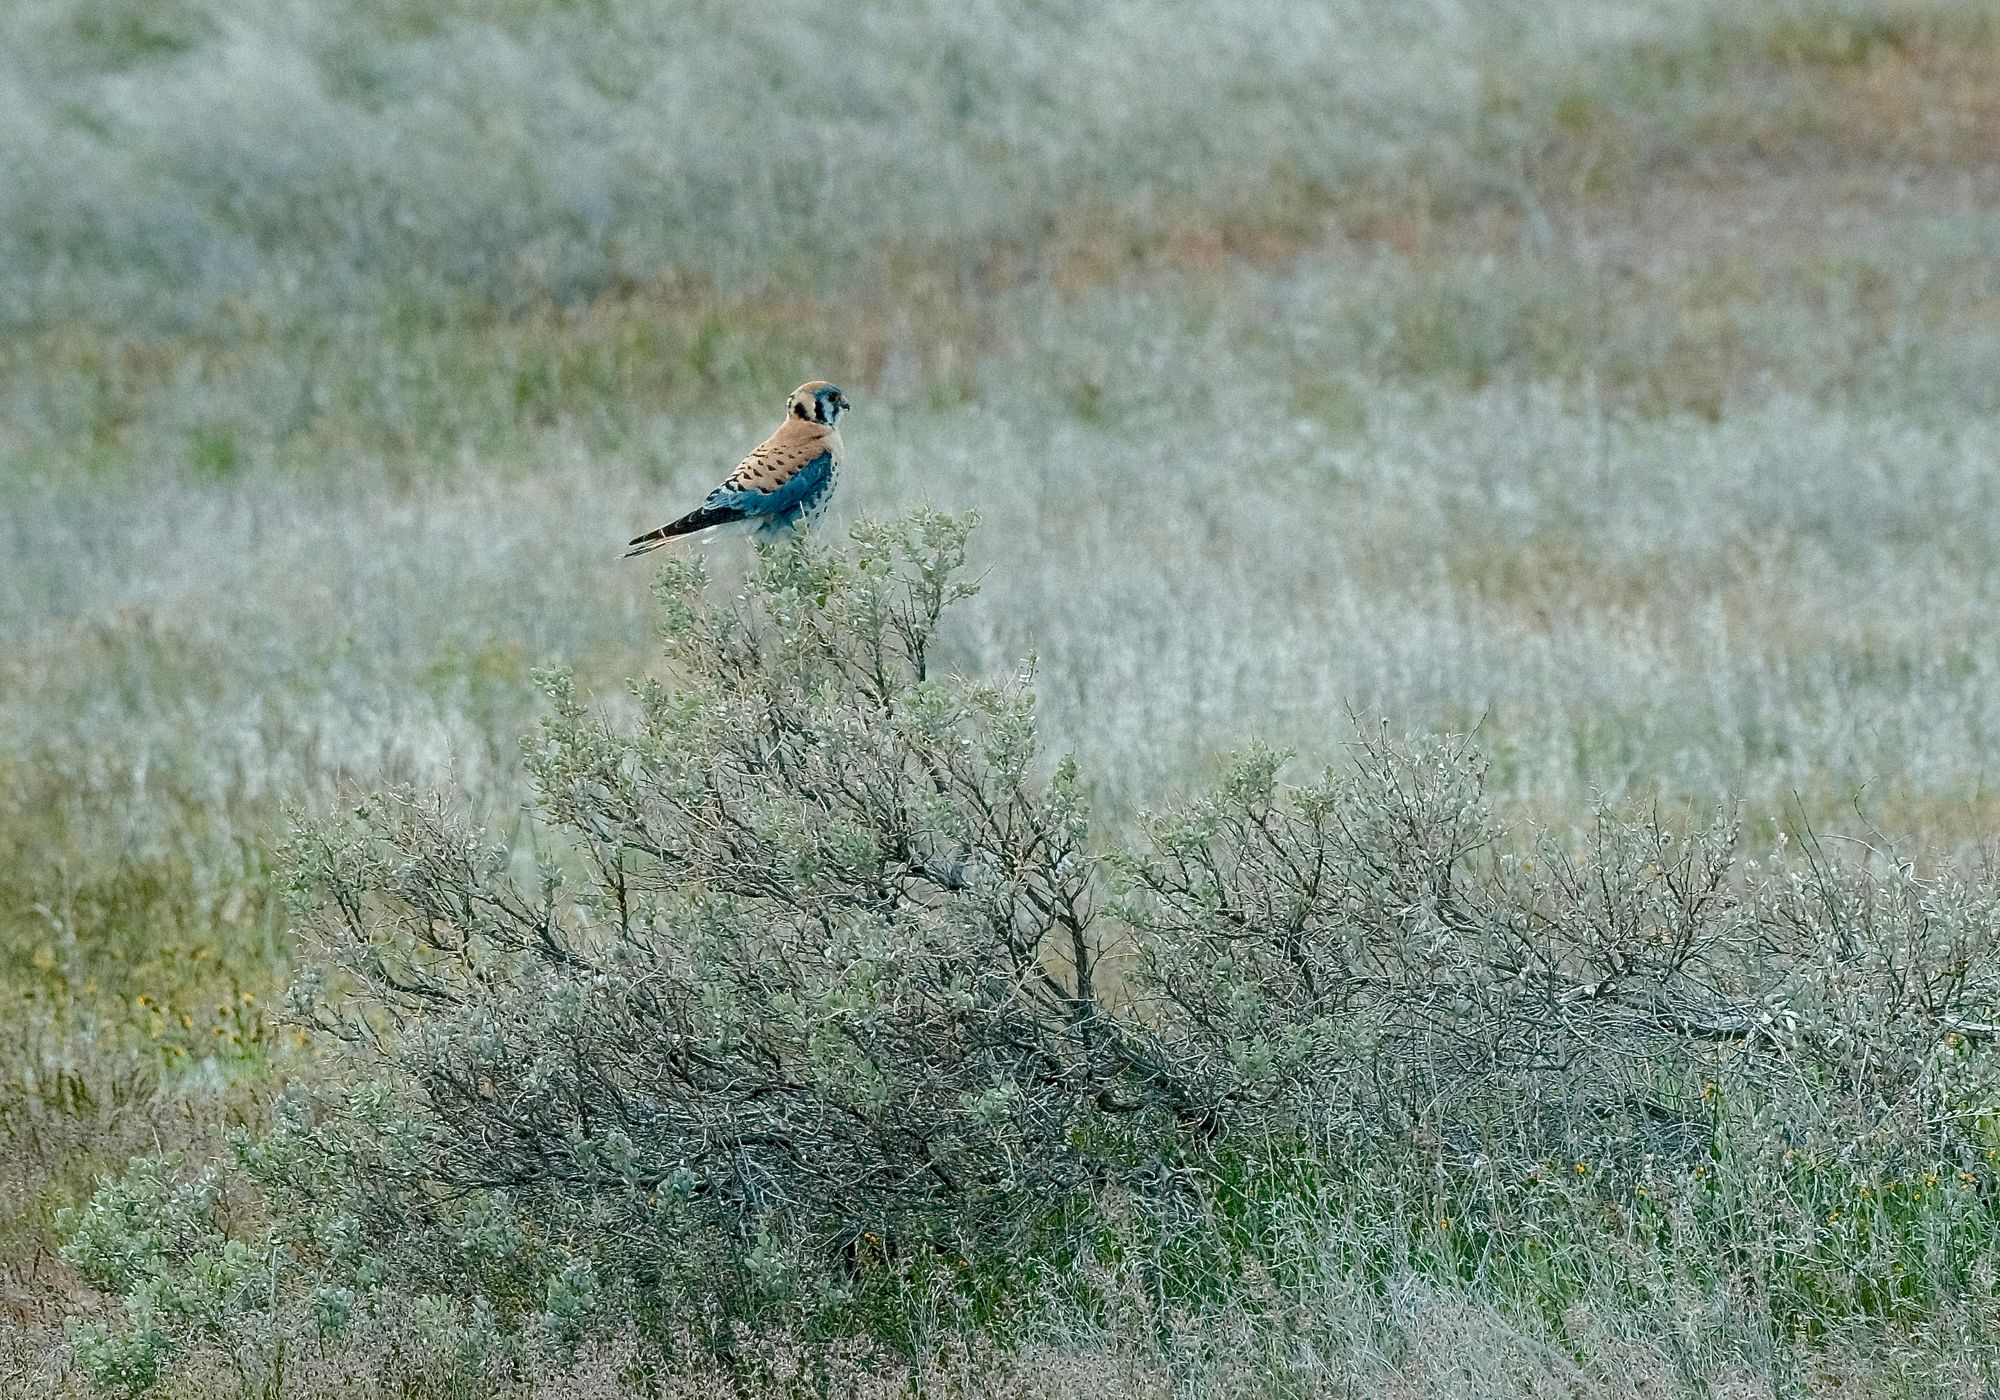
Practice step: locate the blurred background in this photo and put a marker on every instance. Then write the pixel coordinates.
(1618, 377)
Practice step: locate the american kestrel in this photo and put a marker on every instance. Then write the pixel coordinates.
(788, 478)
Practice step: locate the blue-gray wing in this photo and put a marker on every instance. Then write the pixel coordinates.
(776, 484)
(797, 490)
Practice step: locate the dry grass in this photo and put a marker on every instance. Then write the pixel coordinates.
(1419, 1342)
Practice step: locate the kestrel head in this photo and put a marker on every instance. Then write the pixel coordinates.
(817, 401)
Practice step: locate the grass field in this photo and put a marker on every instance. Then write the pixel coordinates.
(1619, 381)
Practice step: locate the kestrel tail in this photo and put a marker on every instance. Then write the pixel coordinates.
(788, 479)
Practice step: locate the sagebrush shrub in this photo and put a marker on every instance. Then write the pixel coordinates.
(815, 958)
(1375, 947)
(1377, 942)
(795, 998)
(796, 981)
